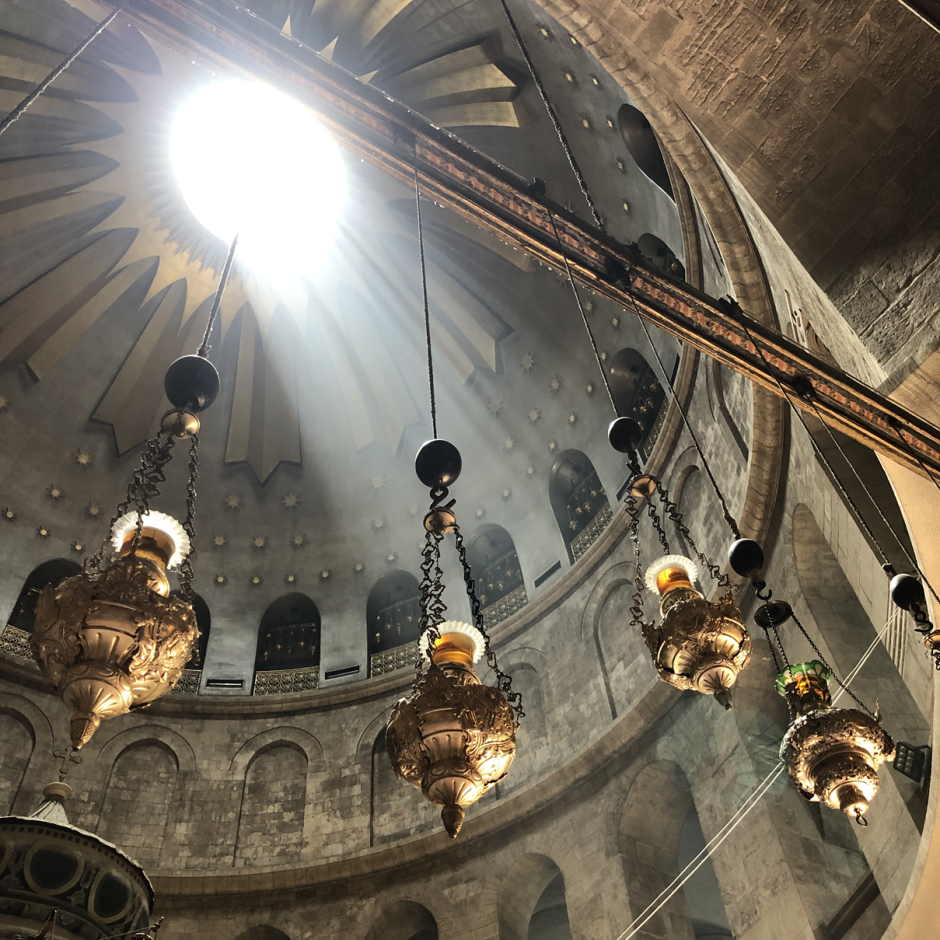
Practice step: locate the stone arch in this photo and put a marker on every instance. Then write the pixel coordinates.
(51, 572)
(494, 562)
(288, 635)
(718, 379)
(404, 920)
(393, 615)
(139, 795)
(659, 829)
(18, 776)
(520, 890)
(264, 932)
(658, 253)
(637, 393)
(579, 502)
(171, 741)
(272, 814)
(284, 736)
(641, 141)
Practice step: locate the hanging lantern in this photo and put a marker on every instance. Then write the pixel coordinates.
(112, 640)
(453, 737)
(698, 644)
(831, 754)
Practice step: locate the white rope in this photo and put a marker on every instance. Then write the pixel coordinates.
(706, 853)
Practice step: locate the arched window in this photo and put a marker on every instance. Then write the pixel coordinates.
(191, 678)
(14, 638)
(497, 573)
(404, 920)
(657, 252)
(638, 394)
(393, 616)
(288, 656)
(579, 502)
(641, 141)
(549, 920)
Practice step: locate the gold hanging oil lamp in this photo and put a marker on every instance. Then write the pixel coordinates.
(697, 644)
(453, 737)
(112, 639)
(831, 754)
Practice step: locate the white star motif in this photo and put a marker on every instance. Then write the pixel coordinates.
(528, 361)
(219, 579)
(506, 493)
(377, 483)
(509, 443)
(615, 322)
(589, 388)
(54, 492)
(233, 501)
(495, 406)
(553, 446)
(290, 500)
(325, 574)
(555, 384)
(83, 459)
(621, 165)
(9, 514)
(256, 579)
(534, 415)
(480, 513)
(94, 509)
(298, 540)
(359, 567)
(391, 556)
(529, 471)
(259, 541)
(572, 418)
(626, 206)
(412, 510)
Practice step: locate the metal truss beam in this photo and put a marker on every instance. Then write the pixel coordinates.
(389, 135)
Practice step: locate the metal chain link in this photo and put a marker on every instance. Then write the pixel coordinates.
(431, 600)
(189, 527)
(636, 608)
(504, 680)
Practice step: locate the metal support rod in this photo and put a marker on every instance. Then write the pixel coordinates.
(365, 121)
(21, 108)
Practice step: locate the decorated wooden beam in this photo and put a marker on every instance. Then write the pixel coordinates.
(367, 122)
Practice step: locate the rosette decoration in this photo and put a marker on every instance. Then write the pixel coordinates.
(831, 754)
(112, 638)
(697, 644)
(453, 737)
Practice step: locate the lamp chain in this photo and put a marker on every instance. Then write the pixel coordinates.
(424, 295)
(42, 87)
(504, 680)
(636, 608)
(432, 603)
(189, 527)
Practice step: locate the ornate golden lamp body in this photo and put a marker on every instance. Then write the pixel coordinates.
(453, 737)
(115, 640)
(831, 754)
(698, 644)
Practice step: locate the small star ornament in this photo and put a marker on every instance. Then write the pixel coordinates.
(506, 493)
(93, 510)
(298, 540)
(290, 579)
(42, 532)
(509, 443)
(378, 523)
(218, 540)
(615, 322)
(552, 446)
(78, 546)
(8, 514)
(555, 385)
(391, 556)
(259, 541)
(82, 458)
(233, 501)
(572, 418)
(54, 492)
(589, 388)
(219, 579)
(480, 513)
(290, 501)
(412, 510)
(621, 164)
(359, 567)
(256, 580)
(494, 406)
(377, 483)
(534, 415)
(325, 574)
(529, 471)
(528, 361)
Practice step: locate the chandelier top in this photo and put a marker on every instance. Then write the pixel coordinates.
(476, 644)
(159, 521)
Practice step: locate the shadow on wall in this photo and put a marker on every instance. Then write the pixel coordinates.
(531, 904)
(641, 141)
(404, 920)
(659, 833)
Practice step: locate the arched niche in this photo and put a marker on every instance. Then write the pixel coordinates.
(531, 903)
(404, 920)
(393, 617)
(494, 563)
(18, 744)
(657, 252)
(288, 652)
(638, 394)
(641, 141)
(49, 572)
(139, 798)
(579, 502)
(271, 816)
(659, 827)
(263, 933)
(191, 678)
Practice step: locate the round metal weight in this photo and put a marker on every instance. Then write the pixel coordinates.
(625, 435)
(440, 521)
(906, 591)
(181, 423)
(643, 486)
(772, 614)
(745, 556)
(192, 383)
(438, 464)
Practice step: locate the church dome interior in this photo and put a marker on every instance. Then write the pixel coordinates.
(469, 470)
